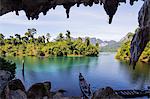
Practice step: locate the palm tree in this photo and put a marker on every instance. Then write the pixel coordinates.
(68, 35)
(18, 36)
(60, 37)
(25, 39)
(48, 37)
(39, 39)
(2, 36)
(32, 32)
(87, 41)
(2, 39)
(43, 39)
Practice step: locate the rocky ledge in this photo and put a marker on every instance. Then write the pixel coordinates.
(4, 78)
(14, 89)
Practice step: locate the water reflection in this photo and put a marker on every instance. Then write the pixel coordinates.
(99, 71)
(139, 76)
(23, 75)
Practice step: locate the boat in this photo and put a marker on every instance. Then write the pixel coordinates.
(85, 87)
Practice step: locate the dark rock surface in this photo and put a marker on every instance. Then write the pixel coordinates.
(106, 93)
(5, 76)
(142, 36)
(39, 90)
(33, 8)
(17, 94)
(14, 90)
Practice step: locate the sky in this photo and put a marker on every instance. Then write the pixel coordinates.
(83, 22)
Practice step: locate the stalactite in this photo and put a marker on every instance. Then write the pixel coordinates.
(132, 1)
(38, 6)
(110, 7)
(67, 7)
(96, 1)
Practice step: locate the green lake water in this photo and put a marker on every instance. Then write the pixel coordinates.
(99, 71)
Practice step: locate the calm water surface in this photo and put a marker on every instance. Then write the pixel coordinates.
(99, 71)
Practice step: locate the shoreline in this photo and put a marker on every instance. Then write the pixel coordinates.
(15, 89)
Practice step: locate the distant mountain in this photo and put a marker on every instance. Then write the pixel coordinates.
(95, 40)
(108, 46)
(113, 46)
(128, 37)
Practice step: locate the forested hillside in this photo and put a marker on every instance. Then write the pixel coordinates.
(123, 52)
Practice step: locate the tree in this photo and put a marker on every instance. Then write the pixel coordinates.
(48, 37)
(28, 35)
(87, 41)
(60, 37)
(39, 39)
(1, 36)
(25, 39)
(43, 39)
(97, 45)
(13, 40)
(68, 35)
(2, 39)
(18, 36)
(28, 45)
(79, 39)
(32, 32)
(8, 66)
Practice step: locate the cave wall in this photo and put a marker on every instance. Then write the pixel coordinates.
(142, 35)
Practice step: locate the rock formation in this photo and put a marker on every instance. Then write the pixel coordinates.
(5, 76)
(39, 91)
(14, 90)
(33, 8)
(142, 35)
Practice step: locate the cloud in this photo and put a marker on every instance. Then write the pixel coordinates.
(83, 21)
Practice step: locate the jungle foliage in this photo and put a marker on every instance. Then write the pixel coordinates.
(7, 66)
(28, 45)
(123, 52)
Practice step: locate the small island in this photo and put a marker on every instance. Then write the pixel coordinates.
(28, 45)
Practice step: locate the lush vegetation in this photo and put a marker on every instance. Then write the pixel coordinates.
(124, 52)
(28, 45)
(7, 66)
